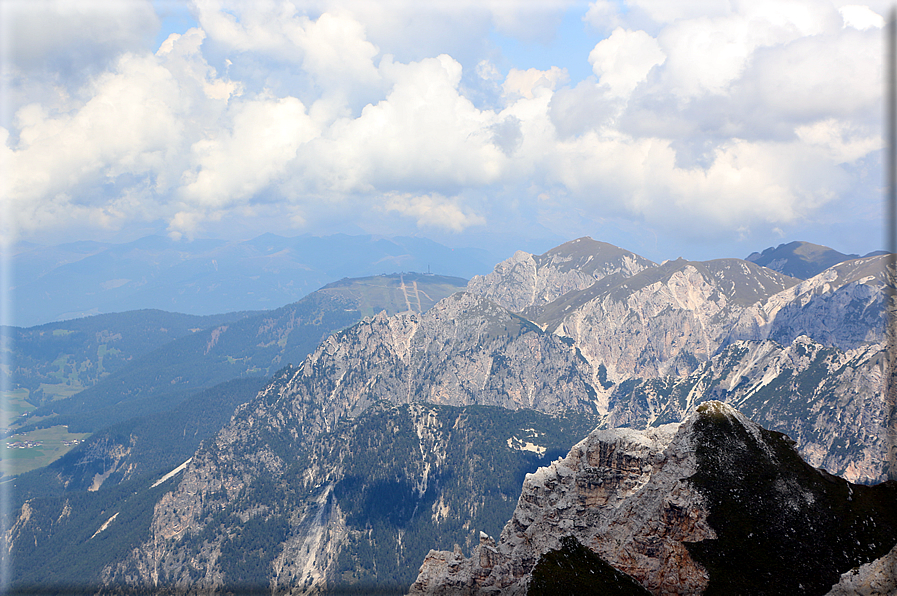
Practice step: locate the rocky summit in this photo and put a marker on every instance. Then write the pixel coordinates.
(713, 505)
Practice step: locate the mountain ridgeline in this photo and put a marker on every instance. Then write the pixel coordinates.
(240, 346)
(414, 429)
(204, 277)
(801, 259)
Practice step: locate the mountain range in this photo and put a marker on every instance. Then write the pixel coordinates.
(383, 443)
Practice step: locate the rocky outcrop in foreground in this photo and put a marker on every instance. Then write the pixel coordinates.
(714, 505)
(878, 578)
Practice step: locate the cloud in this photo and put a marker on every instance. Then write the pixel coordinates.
(747, 184)
(861, 17)
(423, 134)
(263, 139)
(126, 128)
(585, 107)
(603, 15)
(624, 59)
(667, 12)
(433, 210)
(700, 118)
(527, 83)
(528, 21)
(130, 137)
(814, 77)
(842, 142)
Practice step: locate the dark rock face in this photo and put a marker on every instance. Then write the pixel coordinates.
(782, 527)
(574, 570)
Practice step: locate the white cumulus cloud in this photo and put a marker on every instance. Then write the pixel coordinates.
(624, 59)
(861, 17)
(697, 118)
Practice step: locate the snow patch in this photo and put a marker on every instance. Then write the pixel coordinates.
(104, 526)
(520, 445)
(172, 474)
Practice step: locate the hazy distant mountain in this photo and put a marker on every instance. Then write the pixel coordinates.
(206, 277)
(250, 346)
(800, 259)
(56, 359)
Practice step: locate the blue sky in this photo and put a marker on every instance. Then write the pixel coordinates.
(695, 129)
(569, 45)
(174, 17)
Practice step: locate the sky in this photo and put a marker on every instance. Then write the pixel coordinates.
(694, 128)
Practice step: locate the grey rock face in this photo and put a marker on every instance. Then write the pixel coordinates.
(611, 492)
(465, 350)
(663, 321)
(531, 281)
(843, 306)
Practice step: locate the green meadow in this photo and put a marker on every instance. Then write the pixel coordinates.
(19, 461)
(13, 404)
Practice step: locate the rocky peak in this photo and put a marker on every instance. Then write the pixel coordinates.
(525, 280)
(799, 259)
(716, 504)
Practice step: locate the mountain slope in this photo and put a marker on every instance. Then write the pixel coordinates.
(663, 320)
(843, 306)
(59, 359)
(464, 351)
(408, 431)
(141, 445)
(382, 487)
